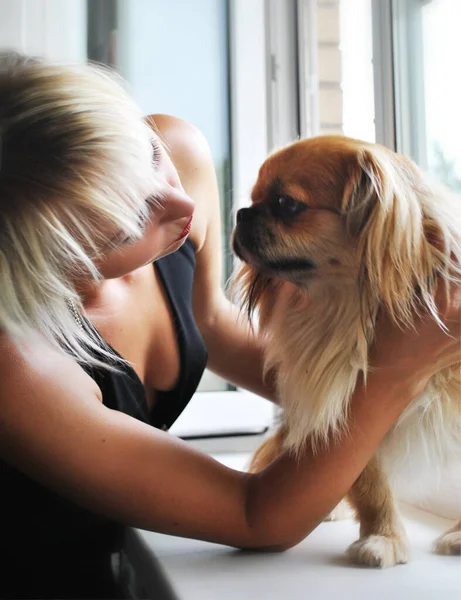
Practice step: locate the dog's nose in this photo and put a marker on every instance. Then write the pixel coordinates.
(243, 215)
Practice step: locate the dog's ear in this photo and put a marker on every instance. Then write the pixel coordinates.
(384, 210)
(361, 192)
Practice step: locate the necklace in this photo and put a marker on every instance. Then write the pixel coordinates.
(73, 309)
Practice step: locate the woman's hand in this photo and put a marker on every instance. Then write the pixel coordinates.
(415, 355)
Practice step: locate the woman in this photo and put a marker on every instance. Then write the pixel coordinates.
(110, 300)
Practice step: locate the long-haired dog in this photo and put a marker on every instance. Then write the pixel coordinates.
(337, 230)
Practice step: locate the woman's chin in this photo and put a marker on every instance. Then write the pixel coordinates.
(170, 249)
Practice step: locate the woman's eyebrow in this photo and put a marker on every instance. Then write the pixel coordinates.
(121, 234)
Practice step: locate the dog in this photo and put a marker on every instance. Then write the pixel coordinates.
(338, 229)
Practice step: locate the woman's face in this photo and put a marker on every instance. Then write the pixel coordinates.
(165, 233)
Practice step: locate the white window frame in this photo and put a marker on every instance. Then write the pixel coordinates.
(249, 110)
(235, 420)
(283, 70)
(308, 75)
(383, 72)
(408, 63)
(264, 115)
(226, 420)
(399, 79)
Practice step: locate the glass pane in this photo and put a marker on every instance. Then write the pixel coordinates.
(442, 89)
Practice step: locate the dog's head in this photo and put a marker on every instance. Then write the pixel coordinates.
(336, 211)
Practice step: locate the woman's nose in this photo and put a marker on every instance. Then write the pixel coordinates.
(177, 205)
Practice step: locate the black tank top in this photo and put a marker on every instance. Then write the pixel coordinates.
(124, 391)
(41, 530)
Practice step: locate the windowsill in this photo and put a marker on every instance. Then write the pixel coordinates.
(211, 414)
(316, 568)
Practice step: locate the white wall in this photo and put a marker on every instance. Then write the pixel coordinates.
(55, 29)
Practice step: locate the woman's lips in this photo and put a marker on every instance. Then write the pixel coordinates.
(186, 230)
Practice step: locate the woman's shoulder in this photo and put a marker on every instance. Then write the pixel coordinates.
(43, 395)
(33, 364)
(191, 155)
(188, 147)
(182, 137)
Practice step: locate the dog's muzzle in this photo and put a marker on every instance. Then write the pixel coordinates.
(245, 237)
(244, 215)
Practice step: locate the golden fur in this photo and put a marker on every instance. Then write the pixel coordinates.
(338, 229)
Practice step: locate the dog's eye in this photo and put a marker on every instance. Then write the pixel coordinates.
(286, 206)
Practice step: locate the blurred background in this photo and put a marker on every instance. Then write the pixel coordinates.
(254, 75)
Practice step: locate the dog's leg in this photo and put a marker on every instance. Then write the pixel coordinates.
(450, 541)
(267, 452)
(341, 512)
(383, 541)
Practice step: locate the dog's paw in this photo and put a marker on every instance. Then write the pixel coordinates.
(379, 551)
(342, 511)
(448, 543)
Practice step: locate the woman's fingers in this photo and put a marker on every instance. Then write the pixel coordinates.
(421, 351)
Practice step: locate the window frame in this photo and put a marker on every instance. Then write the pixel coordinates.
(216, 420)
(263, 84)
(383, 73)
(409, 100)
(399, 76)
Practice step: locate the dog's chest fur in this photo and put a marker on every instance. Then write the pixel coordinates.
(318, 345)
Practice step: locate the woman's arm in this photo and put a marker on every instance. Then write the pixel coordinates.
(54, 428)
(235, 352)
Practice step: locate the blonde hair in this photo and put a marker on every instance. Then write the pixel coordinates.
(75, 154)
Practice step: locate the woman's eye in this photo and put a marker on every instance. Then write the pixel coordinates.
(156, 153)
(128, 241)
(289, 207)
